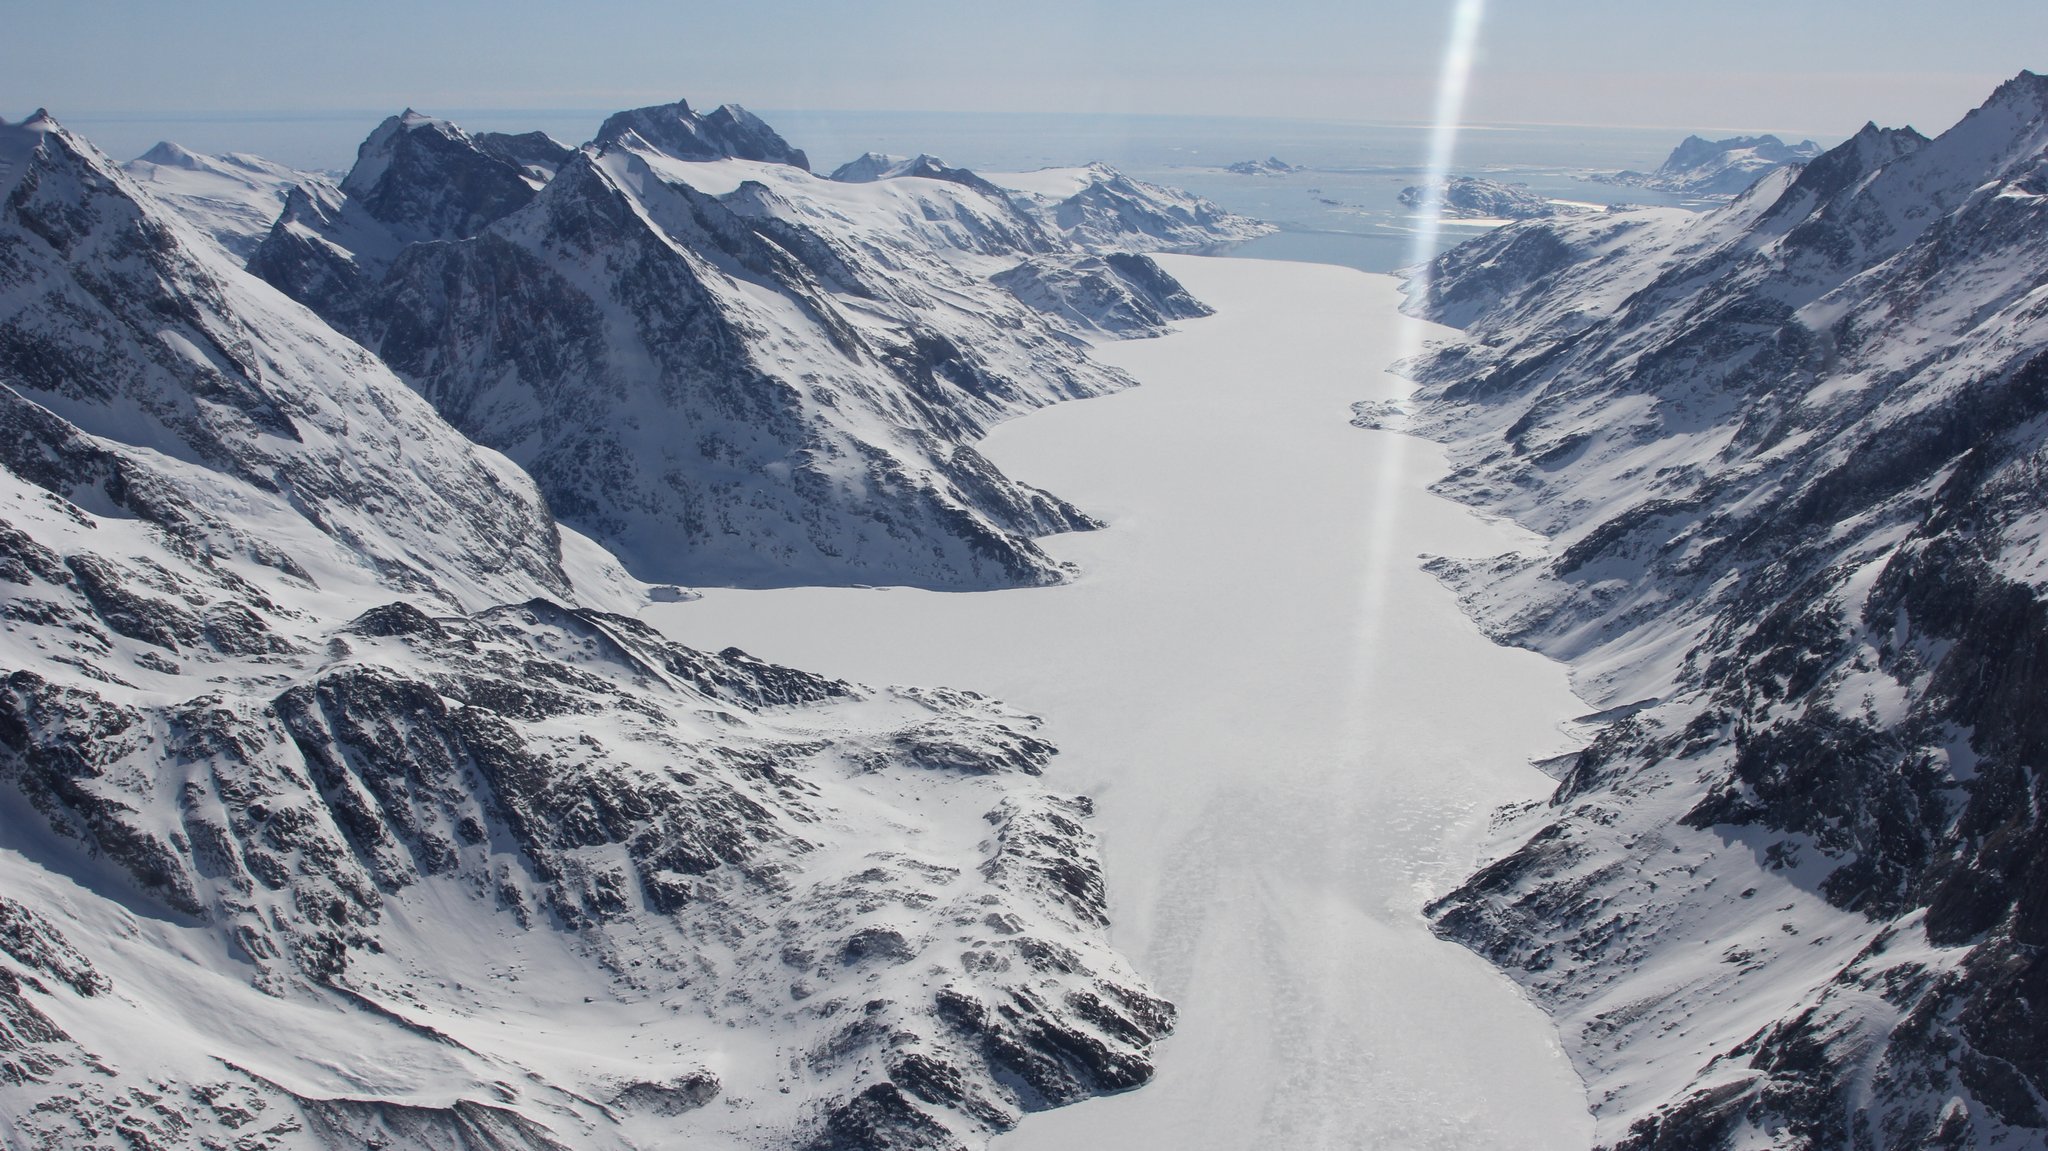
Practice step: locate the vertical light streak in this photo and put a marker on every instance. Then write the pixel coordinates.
(1373, 783)
(1452, 82)
(1383, 504)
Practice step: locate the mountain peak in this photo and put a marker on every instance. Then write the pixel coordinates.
(428, 178)
(727, 132)
(1851, 160)
(2025, 95)
(19, 144)
(170, 155)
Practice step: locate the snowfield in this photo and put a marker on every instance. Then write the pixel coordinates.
(1293, 736)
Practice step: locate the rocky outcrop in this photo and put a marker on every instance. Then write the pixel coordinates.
(416, 179)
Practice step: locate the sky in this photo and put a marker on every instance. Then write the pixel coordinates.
(1815, 67)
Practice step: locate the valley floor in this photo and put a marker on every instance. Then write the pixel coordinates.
(1293, 736)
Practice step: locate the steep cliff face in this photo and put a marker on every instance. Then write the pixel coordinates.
(1789, 454)
(726, 392)
(122, 327)
(416, 179)
(339, 811)
(724, 368)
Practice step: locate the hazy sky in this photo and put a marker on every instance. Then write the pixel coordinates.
(1815, 66)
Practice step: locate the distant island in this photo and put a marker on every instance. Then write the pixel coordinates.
(1270, 166)
(1469, 198)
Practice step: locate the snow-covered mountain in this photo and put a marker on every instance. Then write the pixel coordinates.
(723, 367)
(235, 198)
(1471, 198)
(416, 179)
(341, 810)
(1790, 457)
(729, 132)
(1099, 208)
(1717, 168)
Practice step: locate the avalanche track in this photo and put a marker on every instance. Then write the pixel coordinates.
(1294, 737)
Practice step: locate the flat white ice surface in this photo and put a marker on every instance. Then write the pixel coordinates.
(1294, 736)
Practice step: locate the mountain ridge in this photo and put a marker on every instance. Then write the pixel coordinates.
(843, 457)
(1784, 453)
(1717, 168)
(345, 807)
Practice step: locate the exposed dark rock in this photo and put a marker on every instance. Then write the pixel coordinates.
(726, 131)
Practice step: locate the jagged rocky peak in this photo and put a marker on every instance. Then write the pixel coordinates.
(416, 179)
(18, 143)
(426, 179)
(1789, 457)
(832, 348)
(849, 444)
(2026, 92)
(1868, 150)
(727, 132)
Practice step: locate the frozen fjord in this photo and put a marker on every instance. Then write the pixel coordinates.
(1293, 735)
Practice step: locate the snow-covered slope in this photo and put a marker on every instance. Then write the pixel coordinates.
(871, 166)
(234, 198)
(723, 367)
(336, 814)
(1717, 168)
(1789, 454)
